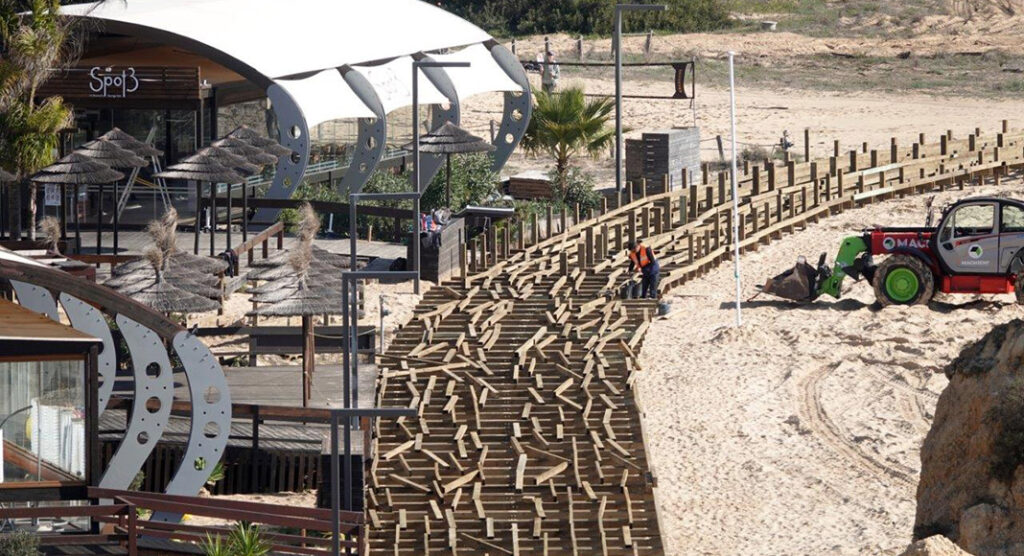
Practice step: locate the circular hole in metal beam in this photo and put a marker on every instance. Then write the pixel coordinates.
(153, 404)
(153, 370)
(211, 430)
(143, 437)
(212, 395)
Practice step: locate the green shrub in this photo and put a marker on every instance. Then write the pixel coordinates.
(587, 17)
(579, 190)
(19, 543)
(308, 192)
(473, 182)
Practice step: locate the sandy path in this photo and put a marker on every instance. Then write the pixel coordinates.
(799, 433)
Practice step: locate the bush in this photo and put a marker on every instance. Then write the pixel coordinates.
(579, 190)
(473, 182)
(308, 192)
(586, 17)
(19, 543)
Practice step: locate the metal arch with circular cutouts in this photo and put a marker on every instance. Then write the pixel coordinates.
(88, 319)
(36, 298)
(294, 134)
(372, 137)
(154, 385)
(431, 164)
(518, 107)
(211, 419)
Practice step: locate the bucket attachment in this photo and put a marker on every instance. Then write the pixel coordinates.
(797, 284)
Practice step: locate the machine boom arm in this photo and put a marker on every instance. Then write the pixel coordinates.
(850, 249)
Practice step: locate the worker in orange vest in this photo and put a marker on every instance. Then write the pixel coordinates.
(641, 257)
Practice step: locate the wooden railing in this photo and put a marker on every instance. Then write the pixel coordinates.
(691, 226)
(278, 521)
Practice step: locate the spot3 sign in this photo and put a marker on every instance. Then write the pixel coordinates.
(109, 83)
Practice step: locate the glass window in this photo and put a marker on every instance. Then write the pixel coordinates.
(1012, 219)
(42, 408)
(970, 220)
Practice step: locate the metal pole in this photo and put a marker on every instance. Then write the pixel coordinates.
(617, 39)
(617, 47)
(115, 218)
(735, 195)
(416, 175)
(335, 493)
(99, 222)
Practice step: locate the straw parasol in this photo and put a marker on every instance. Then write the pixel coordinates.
(167, 298)
(78, 169)
(303, 300)
(201, 166)
(129, 143)
(269, 146)
(111, 154)
(115, 157)
(251, 153)
(451, 139)
(6, 176)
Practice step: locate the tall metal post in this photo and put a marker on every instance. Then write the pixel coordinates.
(617, 45)
(416, 175)
(735, 194)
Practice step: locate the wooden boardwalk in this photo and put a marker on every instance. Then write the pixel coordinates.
(529, 438)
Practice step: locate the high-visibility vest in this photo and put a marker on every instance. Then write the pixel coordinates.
(639, 256)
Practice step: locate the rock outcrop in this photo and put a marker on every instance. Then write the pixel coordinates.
(972, 461)
(936, 545)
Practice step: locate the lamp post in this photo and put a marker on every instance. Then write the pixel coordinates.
(617, 39)
(416, 65)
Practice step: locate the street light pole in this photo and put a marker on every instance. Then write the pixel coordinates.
(617, 40)
(416, 65)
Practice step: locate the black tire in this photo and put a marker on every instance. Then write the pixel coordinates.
(1018, 288)
(899, 265)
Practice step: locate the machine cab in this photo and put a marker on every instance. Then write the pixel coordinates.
(980, 236)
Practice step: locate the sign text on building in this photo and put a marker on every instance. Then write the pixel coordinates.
(108, 83)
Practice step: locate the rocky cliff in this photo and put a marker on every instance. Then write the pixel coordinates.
(972, 461)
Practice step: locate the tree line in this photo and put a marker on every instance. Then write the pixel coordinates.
(586, 17)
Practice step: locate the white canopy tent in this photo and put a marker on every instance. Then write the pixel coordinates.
(279, 39)
(321, 60)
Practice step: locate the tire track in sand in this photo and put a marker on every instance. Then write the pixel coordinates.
(818, 421)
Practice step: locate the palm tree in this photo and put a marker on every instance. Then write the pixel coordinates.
(566, 125)
(30, 47)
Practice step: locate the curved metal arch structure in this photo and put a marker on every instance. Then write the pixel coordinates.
(518, 106)
(371, 139)
(154, 345)
(292, 133)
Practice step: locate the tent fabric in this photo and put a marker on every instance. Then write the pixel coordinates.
(393, 83)
(301, 44)
(325, 97)
(281, 39)
(483, 75)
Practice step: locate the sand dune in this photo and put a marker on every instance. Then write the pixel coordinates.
(799, 432)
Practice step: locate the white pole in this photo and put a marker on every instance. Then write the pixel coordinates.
(735, 195)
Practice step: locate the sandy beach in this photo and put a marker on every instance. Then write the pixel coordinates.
(799, 433)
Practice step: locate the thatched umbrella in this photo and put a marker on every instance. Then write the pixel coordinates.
(6, 176)
(451, 139)
(115, 157)
(305, 301)
(79, 169)
(127, 142)
(167, 298)
(203, 166)
(269, 146)
(251, 153)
